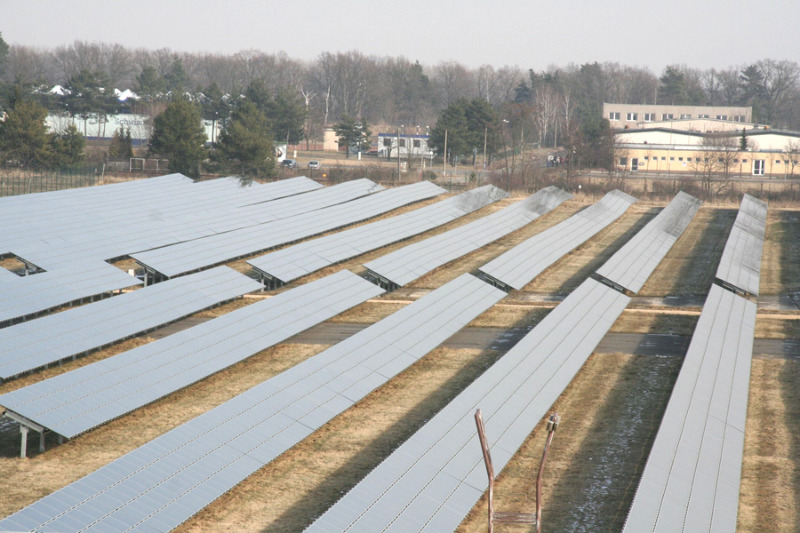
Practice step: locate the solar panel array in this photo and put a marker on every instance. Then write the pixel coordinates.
(115, 220)
(691, 480)
(433, 479)
(518, 266)
(301, 259)
(201, 253)
(82, 399)
(740, 265)
(161, 484)
(635, 261)
(27, 296)
(36, 343)
(415, 260)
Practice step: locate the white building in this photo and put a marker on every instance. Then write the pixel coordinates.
(409, 145)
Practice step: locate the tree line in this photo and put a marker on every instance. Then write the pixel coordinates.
(486, 107)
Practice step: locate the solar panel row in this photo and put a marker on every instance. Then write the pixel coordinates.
(415, 260)
(518, 266)
(201, 253)
(195, 217)
(740, 265)
(164, 482)
(301, 259)
(27, 296)
(74, 402)
(636, 260)
(691, 480)
(112, 221)
(36, 343)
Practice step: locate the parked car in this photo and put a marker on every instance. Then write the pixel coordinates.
(289, 163)
(314, 165)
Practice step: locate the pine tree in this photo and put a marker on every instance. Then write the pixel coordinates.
(245, 145)
(179, 136)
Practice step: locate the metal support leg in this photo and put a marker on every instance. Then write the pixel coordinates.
(24, 441)
(41, 441)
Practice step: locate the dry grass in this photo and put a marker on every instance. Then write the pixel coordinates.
(769, 495)
(635, 321)
(565, 275)
(690, 265)
(609, 416)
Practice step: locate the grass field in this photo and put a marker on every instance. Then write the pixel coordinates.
(610, 412)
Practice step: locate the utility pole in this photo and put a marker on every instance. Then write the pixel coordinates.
(444, 156)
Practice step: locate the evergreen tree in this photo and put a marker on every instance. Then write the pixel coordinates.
(178, 135)
(467, 124)
(24, 139)
(149, 84)
(68, 147)
(121, 145)
(176, 79)
(3, 55)
(353, 134)
(245, 145)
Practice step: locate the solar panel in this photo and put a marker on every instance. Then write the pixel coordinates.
(518, 266)
(164, 482)
(119, 229)
(36, 343)
(691, 480)
(7, 275)
(740, 264)
(433, 479)
(201, 253)
(30, 295)
(415, 260)
(77, 401)
(296, 261)
(635, 261)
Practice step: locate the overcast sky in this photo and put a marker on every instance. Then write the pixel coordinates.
(529, 34)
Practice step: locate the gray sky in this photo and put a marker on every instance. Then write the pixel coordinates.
(528, 34)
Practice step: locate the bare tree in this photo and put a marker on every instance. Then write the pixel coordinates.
(716, 162)
(792, 151)
(452, 82)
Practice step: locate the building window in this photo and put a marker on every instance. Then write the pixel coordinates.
(666, 116)
(696, 159)
(722, 117)
(744, 160)
(663, 158)
(646, 158)
(613, 116)
(633, 116)
(758, 167)
(402, 143)
(686, 116)
(680, 159)
(738, 118)
(416, 143)
(623, 161)
(387, 142)
(720, 160)
(672, 159)
(649, 117)
(702, 116)
(735, 160)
